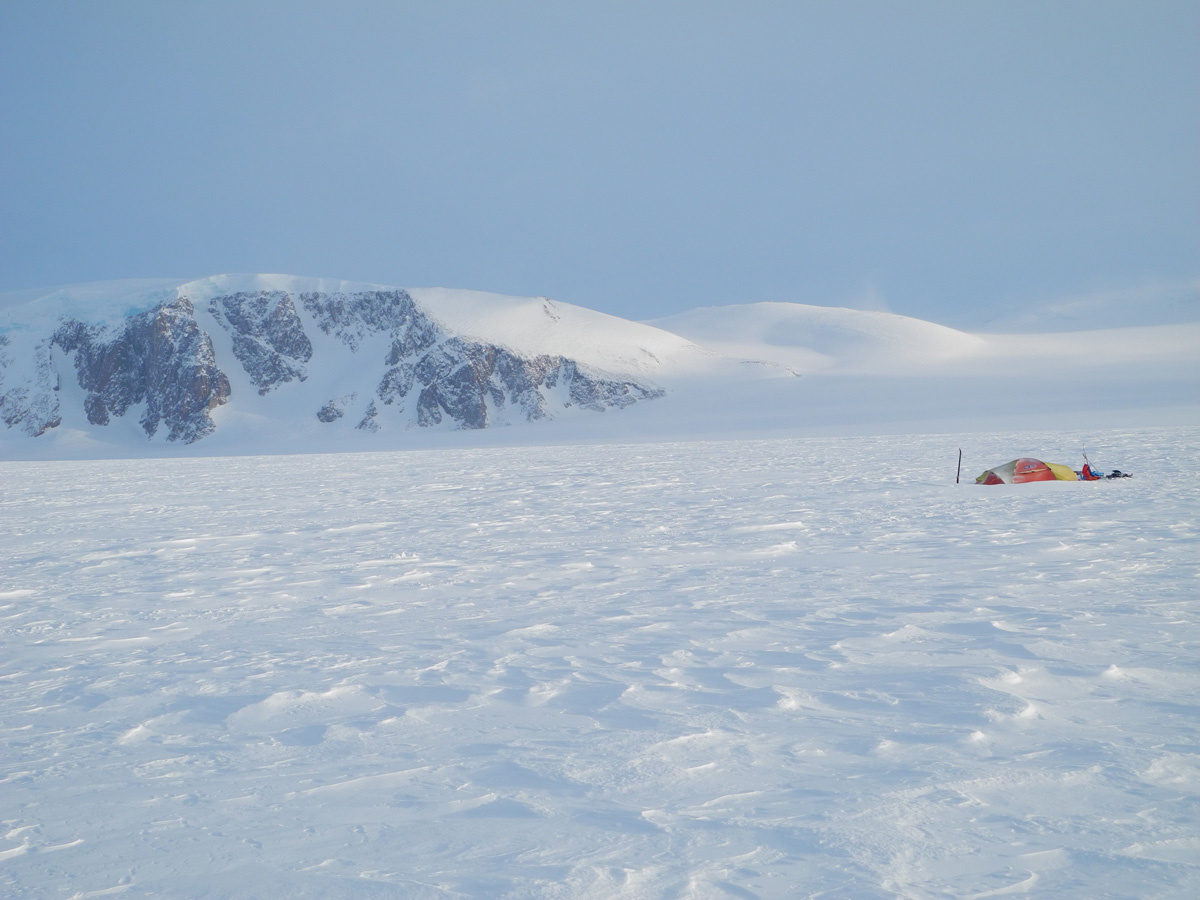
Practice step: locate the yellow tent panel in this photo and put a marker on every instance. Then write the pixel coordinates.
(1062, 473)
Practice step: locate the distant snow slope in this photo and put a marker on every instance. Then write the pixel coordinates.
(818, 339)
(821, 338)
(871, 370)
(538, 325)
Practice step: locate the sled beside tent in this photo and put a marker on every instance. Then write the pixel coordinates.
(1025, 469)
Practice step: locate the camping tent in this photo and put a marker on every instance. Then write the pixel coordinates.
(1026, 469)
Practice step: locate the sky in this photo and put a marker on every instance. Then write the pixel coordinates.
(954, 161)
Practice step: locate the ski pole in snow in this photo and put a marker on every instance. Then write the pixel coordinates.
(959, 471)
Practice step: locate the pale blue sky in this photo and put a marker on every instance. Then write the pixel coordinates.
(941, 159)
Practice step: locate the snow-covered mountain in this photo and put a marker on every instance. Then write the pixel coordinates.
(275, 363)
(875, 372)
(175, 362)
(813, 339)
(829, 340)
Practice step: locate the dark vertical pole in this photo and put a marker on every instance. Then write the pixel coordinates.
(959, 472)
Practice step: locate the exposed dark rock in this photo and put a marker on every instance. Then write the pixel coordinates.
(351, 317)
(336, 408)
(330, 412)
(161, 358)
(456, 379)
(268, 337)
(599, 394)
(369, 422)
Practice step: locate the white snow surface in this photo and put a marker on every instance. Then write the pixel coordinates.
(771, 668)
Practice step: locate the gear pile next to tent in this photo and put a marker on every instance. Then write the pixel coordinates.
(1025, 469)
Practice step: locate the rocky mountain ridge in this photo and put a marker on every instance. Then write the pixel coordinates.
(370, 358)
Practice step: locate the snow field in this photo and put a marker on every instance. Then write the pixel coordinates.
(727, 669)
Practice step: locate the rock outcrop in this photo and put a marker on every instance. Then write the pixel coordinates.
(31, 403)
(384, 363)
(268, 336)
(159, 360)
